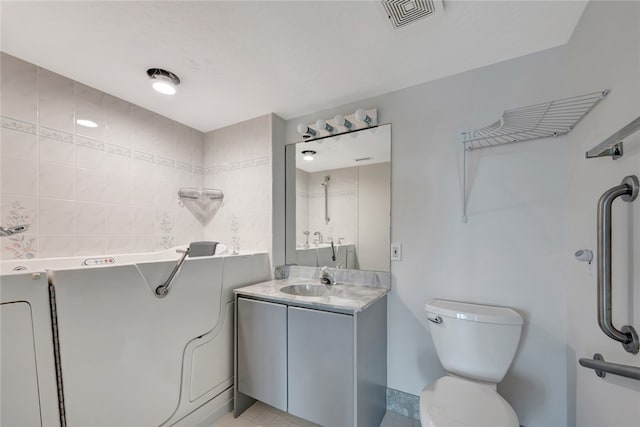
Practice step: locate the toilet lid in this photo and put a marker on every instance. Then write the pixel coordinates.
(455, 402)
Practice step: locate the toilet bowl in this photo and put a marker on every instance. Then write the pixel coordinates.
(476, 345)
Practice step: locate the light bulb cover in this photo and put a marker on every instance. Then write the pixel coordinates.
(361, 115)
(323, 125)
(163, 81)
(305, 130)
(308, 155)
(340, 120)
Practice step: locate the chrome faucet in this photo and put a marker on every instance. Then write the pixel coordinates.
(325, 277)
(10, 231)
(320, 239)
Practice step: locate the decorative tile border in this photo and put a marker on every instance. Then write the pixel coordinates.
(34, 129)
(242, 164)
(146, 157)
(56, 134)
(89, 143)
(164, 161)
(18, 125)
(184, 166)
(403, 403)
(120, 151)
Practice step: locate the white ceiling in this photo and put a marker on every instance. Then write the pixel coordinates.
(342, 151)
(239, 60)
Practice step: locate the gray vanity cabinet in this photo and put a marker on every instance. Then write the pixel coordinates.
(328, 366)
(262, 351)
(321, 366)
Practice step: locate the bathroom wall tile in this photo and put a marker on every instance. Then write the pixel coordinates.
(18, 144)
(143, 135)
(119, 129)
(18, 176)
(118, 163)
(90, 185)
(183, 144)
(119, 189)
(90, 105)
(197, 147)
(89, 158)
(17, 210)
(21, 246)
(91, 218)
(165, 144)
(119, 244)
(144, 169)
(57, 181)
(56, 216)
(119, 220)
(54, 151)
(18, 89)
(56, 101)
(90, 245)
(144, 192)
(144, 221)
(144, 244)
(56, 246)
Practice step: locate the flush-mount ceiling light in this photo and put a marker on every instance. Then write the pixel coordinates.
(87, 123)
(163, 81)
(308, 155)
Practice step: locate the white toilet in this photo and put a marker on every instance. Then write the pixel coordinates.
(476, 345)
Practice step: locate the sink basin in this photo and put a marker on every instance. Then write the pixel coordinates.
(307, 290)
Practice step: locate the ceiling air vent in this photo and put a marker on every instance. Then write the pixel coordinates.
(404, 12)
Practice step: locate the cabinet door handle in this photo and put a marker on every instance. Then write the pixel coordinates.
(437, 320)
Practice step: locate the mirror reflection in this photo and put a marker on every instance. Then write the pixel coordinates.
(342, 201)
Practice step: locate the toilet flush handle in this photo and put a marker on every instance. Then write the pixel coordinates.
(437, 320)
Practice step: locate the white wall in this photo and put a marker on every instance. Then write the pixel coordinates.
(513, 250)
(604, 52)
(90, 191)
(374, 207)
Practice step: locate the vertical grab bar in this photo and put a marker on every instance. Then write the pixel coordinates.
(627, 335)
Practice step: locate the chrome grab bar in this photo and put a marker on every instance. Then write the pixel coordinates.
(163, 290)
(602, 368)
(627, 335)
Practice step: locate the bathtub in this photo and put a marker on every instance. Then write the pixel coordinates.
(130, 358)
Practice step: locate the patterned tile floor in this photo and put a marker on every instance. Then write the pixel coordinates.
(262, 415)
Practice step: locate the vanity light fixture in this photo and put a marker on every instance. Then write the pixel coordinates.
(306, 131)
(362, 116)
(308, 155)
(323, 125)
(87, 123)
(340, 120)
(163, 81)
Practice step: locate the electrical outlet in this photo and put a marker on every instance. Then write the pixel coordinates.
(396, 252)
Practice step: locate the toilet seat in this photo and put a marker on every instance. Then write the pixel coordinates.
(456, 402)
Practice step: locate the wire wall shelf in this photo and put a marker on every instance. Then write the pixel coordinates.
(537, 121)
(548, 119)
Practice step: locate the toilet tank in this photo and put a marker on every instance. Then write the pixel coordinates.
(474, 341)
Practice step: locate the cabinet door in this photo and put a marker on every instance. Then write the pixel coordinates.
(262, 351)
(321, 377)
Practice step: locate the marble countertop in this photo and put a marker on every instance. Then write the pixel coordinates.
(342, 297)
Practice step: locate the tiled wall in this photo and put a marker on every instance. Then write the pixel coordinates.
(238, 162)
(89, 191)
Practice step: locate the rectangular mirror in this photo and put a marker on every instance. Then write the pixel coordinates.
(338, 190)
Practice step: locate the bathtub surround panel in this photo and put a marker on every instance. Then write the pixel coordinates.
(90, 191)
(512, 251)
